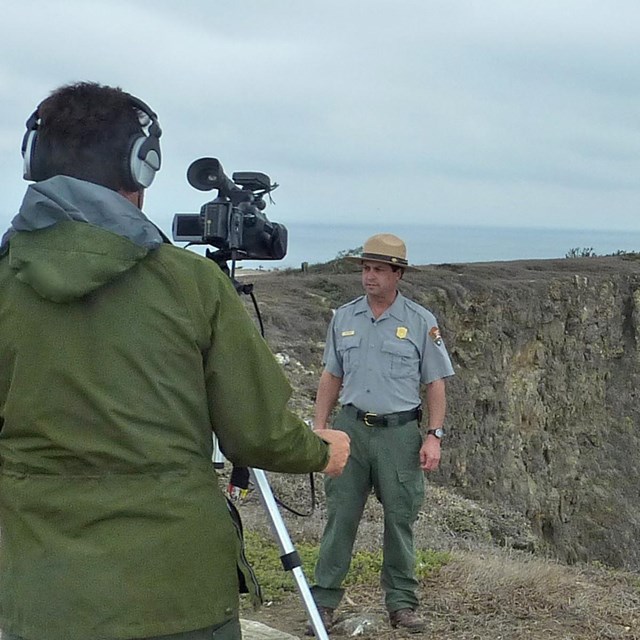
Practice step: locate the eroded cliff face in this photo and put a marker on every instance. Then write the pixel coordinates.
(543, 414)
(543, 411)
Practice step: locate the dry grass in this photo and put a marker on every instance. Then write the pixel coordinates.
(504, 595)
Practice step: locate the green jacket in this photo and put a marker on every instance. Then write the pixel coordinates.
(116, 362)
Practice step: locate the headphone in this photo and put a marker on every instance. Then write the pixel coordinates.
(142, 159)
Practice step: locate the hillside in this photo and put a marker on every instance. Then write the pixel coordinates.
(539, 477)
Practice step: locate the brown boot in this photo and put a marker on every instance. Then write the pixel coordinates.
(326, 615)
(407, 619)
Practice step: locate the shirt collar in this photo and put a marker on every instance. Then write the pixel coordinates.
(361, 305)
(397, 309)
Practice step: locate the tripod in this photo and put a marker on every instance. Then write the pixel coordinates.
(288, 555)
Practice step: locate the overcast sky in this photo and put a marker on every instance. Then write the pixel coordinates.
(488, 112)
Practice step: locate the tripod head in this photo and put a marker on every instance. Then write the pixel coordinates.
(220, 258)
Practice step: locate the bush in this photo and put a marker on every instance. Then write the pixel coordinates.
(585, 252)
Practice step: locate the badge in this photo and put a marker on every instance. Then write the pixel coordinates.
(348, 333)
(401, 332)
(434, 334)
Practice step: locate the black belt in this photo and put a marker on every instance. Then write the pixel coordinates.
(385, 419)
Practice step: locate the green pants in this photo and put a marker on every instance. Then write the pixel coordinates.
(386, 459)
(229, 630)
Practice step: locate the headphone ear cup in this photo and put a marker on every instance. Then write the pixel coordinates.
(143, 161)
(29, 147)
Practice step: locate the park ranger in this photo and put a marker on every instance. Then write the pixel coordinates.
(380, 348)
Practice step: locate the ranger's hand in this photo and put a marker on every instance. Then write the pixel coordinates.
(338, 450)
(430, 454)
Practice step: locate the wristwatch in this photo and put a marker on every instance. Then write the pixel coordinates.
(438, 433)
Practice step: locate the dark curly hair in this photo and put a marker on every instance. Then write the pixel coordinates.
(85, 132)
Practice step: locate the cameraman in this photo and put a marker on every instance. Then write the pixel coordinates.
(119, 353)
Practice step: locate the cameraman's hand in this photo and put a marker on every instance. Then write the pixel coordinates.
(338, 450)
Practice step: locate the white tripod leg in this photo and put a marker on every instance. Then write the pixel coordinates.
(218, 456)
(289, 556)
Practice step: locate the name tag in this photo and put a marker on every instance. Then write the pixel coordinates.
(348, 333)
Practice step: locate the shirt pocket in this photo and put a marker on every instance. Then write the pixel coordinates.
(349, 350)
(400, 359)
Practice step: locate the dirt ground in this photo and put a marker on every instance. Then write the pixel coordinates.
(600, 608)
(489, 590)
(491, 597)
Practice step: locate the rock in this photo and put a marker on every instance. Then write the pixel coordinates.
(283, 359)
(361, 625)
(257, 631)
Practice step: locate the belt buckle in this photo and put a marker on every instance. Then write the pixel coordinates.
(366, 417)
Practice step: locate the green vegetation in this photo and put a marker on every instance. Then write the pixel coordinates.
(584, 252)
(345, 253)
(365, 568)
(588, 252)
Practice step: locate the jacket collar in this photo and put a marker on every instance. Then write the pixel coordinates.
(63, 198)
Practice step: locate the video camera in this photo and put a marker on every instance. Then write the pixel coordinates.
(234, 222)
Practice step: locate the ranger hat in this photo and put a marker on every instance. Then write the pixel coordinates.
(386, 248)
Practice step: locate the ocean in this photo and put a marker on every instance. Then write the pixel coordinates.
(431, 244)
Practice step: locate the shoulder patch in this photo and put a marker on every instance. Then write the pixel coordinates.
(434, 334)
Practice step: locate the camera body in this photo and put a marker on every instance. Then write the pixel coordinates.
(233, 222)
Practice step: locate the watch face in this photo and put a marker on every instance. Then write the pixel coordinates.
(438, 433)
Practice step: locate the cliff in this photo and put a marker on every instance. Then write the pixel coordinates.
(542, 414)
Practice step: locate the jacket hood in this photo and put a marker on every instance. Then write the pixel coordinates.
(71, 237)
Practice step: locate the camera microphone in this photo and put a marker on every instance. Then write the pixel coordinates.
(206, 174)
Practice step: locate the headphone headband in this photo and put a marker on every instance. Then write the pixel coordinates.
(143, 157)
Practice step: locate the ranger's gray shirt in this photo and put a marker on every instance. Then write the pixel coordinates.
(383, 362)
